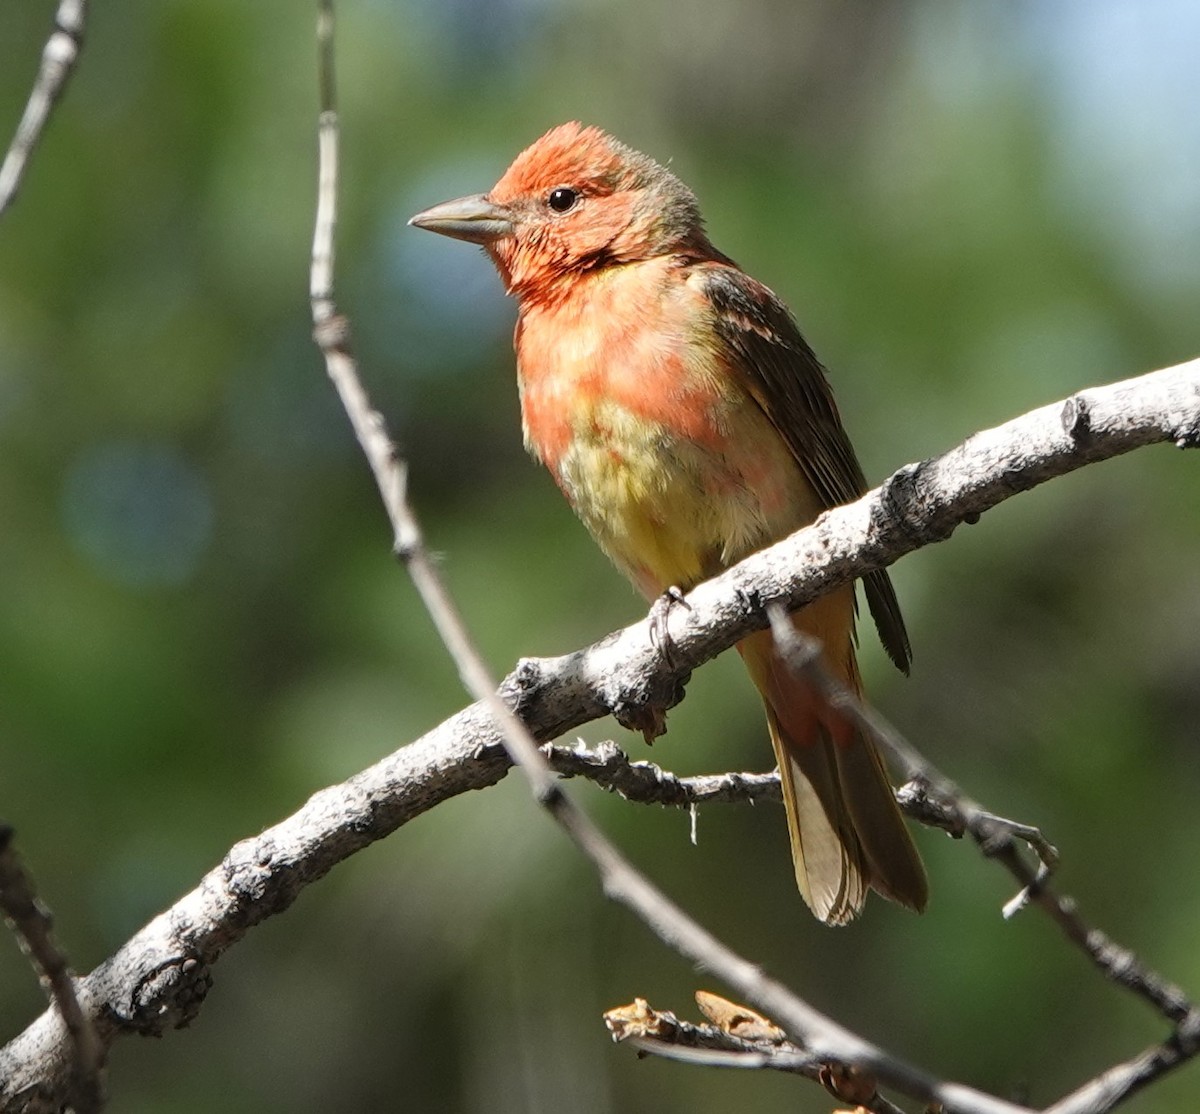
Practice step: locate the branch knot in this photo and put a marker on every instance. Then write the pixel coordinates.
(1077, 419)
(169, 996)
(905, 508)
(332, 333)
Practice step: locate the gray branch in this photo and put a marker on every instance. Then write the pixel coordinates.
(157, 981)
(647, 783)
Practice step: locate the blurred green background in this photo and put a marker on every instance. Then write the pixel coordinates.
(973, 208)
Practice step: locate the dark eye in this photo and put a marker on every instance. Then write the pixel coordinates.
(562, 199)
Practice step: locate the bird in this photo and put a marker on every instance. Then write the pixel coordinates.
(679, 409)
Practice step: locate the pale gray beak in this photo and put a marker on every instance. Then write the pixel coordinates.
(474, 218)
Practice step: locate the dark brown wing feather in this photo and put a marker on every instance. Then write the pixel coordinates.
(785, 378)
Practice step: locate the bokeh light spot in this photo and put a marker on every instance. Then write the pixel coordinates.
(138, 512)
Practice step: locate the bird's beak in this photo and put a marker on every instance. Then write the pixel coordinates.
(468, 218)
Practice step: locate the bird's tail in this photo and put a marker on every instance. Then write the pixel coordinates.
(846, 832)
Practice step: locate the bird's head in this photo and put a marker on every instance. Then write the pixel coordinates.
(574, 201)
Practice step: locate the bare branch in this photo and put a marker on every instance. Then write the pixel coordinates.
(32, 923)
(649, 784)
(58, 63)
(646, 783)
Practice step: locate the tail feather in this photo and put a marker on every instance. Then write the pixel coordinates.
(831, 870)
(847, 835)
(896, 870)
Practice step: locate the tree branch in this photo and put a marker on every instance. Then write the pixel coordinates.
(647, 783)
(734, 1038)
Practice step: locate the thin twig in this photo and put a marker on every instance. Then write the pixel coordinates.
(27, 915)
(59, 57)
(332, 334)
(995, 835)
(1120, 1082)
(647, 783)
(30, 920)
(660, 1031)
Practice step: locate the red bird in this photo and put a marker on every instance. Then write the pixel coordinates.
(688, 423)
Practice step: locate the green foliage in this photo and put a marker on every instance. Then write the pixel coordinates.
(201, 623)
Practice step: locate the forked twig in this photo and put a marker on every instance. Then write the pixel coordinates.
(647, 783)
(998, 838)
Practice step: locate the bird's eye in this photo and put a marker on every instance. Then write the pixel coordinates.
(562, 199)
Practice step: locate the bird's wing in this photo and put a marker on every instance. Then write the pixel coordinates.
(784, 377)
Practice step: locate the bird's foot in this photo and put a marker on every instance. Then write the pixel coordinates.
(645, 710)
(660, 613)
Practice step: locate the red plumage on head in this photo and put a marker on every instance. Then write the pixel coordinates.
(627, 207)
(565, 155)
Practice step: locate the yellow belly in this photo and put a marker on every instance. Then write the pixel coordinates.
(669, 511)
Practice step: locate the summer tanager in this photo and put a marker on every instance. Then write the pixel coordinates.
(688, 423)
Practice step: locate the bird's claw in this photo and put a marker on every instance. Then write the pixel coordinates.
(660, 613)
